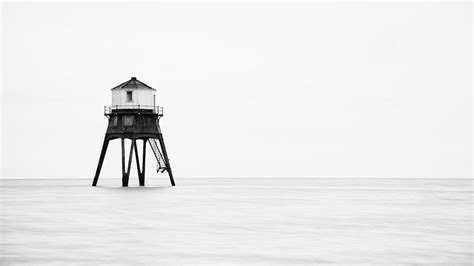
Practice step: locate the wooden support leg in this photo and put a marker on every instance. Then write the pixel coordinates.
(170, 173)
(165, 155)
(101, 160)
(124, 179)
(127, 174)
(140, 176)
(144, 160)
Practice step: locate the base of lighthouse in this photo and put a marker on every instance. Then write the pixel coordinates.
(141, 127)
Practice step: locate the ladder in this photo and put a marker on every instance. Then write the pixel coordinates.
(160, 162)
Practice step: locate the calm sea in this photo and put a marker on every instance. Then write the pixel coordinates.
(237, 221)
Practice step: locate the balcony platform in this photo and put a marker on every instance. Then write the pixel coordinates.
(133, 109)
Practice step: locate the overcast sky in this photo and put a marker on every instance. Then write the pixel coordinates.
(249, 90)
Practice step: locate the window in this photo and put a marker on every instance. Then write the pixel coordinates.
(114, 120)
(129, 96)
(128, 120)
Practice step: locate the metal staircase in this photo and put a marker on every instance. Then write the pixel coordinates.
(160, 166)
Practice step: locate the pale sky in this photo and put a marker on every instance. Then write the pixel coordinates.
(249, 90)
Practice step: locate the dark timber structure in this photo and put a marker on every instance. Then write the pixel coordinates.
(138, 123)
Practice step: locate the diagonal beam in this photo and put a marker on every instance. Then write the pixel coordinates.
(127, 174)
(140, 174)
(136, 157)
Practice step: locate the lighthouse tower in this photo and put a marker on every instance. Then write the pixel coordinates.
(134, 115)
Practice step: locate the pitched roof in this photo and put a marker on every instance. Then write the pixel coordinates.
(133, 83)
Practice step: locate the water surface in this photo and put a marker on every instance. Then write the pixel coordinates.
(237, 221)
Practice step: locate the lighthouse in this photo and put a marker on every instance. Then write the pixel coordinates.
(134, 115)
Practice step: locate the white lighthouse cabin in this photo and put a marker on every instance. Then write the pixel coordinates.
(133, 94)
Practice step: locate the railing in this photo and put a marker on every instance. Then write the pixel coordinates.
(160, 162)
(115, 108)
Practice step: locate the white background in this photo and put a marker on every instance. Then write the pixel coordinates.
(249, 90)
